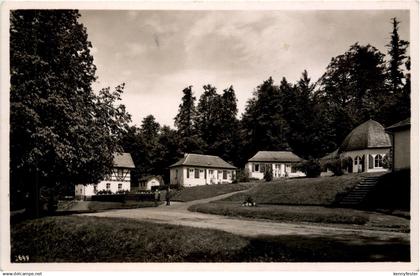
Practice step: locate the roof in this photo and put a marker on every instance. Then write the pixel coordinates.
(275, 156)
(123, 160)
(404, 124)
(150, 177)
(200, 160)
(330, 155)
(370, 134)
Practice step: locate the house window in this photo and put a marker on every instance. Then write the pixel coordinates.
(378, 161)
(120, 174)
(119, 186)
(211, 172)
(108, 186)
(196, 173)
(95, 188)
(262, 168)
(224, 174)
(176, 174)
(189, 171)
(293, 170)
(257, 167)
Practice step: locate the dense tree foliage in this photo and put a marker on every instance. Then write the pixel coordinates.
(61, 133)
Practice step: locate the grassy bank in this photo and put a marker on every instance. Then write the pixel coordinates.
(301, 191)
(90, 239)
(207, 191)
(284, 213)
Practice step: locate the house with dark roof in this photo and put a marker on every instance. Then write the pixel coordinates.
(400, 138)
(118, 180)
(365, 148)
(199, 169)
(279, 162)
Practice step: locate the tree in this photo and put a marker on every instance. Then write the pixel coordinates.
(354, 88)
(208, 119)
(184, 122)
(397, 49)
(61, 133)
(167, 151)
(397, 106)
(227, 140)
(263, 126)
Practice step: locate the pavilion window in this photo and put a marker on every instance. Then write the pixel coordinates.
(196, 173)
(378, 161)
(257, 167)
(224, 174)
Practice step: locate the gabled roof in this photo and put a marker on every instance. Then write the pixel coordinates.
(123, 160)
(200, 160)
(330, 155)
(370, 134)
(404, 124)
(275, 156)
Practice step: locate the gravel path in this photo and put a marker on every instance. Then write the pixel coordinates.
(177, 214)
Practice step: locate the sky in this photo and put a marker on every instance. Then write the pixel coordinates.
(159, 53)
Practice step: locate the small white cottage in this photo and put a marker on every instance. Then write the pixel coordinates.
(199, 169)
(279, 162)
(118, 180)
(146, 183)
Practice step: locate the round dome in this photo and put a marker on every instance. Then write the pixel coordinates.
(370, 134)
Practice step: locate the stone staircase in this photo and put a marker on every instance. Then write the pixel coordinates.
(358, 195)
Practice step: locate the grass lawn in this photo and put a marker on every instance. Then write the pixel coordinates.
(207, 191)
(301, 191)
(316, 214)
(90, 239)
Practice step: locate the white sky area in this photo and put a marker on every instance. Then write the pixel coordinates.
(159, 53)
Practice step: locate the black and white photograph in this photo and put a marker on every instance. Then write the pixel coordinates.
(195, 134)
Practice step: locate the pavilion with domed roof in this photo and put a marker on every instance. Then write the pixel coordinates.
(366, 147)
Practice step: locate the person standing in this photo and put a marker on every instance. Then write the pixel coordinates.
(168, 196)
(156, 197)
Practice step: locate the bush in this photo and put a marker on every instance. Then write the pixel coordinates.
(346, 163)
(334, 166)
(123, 192)
(145, 196)
(104, 192)
(242, 175)
(109, 197)
(386, 162)
(268, 175)
(311, 167)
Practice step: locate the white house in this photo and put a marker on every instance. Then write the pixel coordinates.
(146, 183)
(400, 134)
(365, 148)
(279, 162)
(118, 180)
(198, 169)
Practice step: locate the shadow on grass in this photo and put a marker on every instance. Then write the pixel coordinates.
(90, 239)
(319, 249)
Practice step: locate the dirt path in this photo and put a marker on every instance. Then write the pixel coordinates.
(178, 214)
